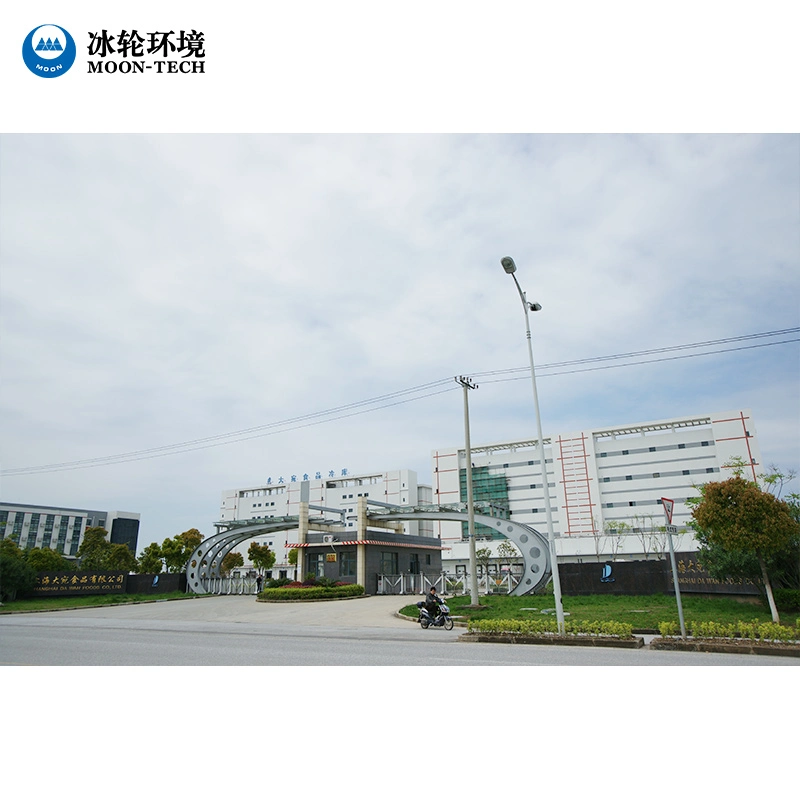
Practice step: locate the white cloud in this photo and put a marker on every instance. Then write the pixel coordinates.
(161, 289)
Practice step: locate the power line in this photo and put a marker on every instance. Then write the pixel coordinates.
(403, 396)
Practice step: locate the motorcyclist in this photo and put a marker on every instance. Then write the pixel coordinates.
(432, 601)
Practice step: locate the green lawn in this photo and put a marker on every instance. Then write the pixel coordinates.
(57, 603)
(643, 612)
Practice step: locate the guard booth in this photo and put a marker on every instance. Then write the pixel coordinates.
(336, 557)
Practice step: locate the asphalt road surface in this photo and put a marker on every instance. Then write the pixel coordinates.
(238, 631)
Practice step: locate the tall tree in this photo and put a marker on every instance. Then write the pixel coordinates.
(43, 559)
(94, 549)
(740, 517)
(16, 575)
(261, 556)
(176, 551)
(231, 561)
(150, 559)
(120, 559)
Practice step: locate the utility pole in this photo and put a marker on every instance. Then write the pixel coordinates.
(467, 384)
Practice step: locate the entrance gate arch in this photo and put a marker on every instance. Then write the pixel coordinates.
(532, 545)
(205, 563)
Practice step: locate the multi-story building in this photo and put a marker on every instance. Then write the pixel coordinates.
(605, 485)
(62, 529)
(338, 493)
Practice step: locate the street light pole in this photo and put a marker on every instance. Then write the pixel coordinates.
(473, 569)
(510, 267)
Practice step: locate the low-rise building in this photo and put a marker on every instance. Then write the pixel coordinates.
(332, 494)
(62, 529)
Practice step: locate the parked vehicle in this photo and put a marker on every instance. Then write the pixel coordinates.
(442, 619)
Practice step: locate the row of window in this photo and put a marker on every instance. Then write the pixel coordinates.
(670, 474)
(662, 449)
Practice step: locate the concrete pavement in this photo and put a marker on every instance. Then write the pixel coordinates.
(374, 612)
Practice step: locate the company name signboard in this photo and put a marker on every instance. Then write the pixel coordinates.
(66, 584)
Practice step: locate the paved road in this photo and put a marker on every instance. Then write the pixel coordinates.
(238, 631)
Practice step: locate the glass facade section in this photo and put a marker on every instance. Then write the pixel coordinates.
(486, 488)
(48, 530)
(33, 530)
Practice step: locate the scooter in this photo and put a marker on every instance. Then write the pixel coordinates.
(441, 620)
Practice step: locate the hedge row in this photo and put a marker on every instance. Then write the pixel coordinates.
(312, 592)
(548, 625)
(755, 630)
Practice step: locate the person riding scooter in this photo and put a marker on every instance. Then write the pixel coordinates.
(432, 602)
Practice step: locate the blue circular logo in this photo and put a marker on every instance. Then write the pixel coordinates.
(48, 51)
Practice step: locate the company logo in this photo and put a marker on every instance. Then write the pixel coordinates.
(48, 51)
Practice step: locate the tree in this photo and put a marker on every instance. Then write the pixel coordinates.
(176, 551)
(261, 556)
(483, 555)
(292, 557)
(16, 574)
(120, 559)
(94, 549)
(616, 531)
(150, 560)
(42, 559)
(231, 561)
(743, 519)
(508, 550)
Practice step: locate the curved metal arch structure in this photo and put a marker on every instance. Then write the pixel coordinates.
(206, 560)
(532, 545)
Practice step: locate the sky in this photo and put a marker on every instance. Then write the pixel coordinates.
(211, 279)
(162, 289)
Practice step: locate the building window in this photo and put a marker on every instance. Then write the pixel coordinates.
(315, 563)
(652, 449)
(347, 563)
(626, 452)
(686, 472)
(709, 469)
(681, 447)
(656, 474)
(629, 477)
(389, 564)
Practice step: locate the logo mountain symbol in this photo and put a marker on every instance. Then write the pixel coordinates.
(49, 44)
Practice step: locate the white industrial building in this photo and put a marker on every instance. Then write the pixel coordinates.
(336, 493)
(605, 484)
(62, 529)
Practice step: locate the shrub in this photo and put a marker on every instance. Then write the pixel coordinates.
(548, 625)
(754, 630)
(275, 583)
(668, 628)
(787, 599)
(301, 592)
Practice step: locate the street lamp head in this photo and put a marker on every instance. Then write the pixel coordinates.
(534, 307)
(508, 265)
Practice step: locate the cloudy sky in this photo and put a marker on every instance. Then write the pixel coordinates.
(217, 308)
